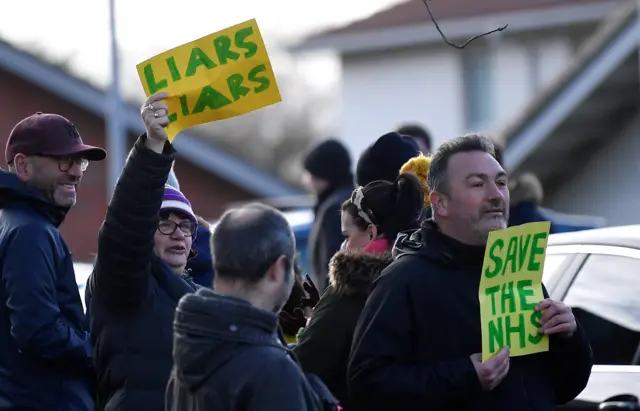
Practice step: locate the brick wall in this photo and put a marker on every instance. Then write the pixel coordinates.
(208, 193)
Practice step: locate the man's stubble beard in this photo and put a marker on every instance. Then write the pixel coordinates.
(482, 232)
(43, 187)
(48, 190)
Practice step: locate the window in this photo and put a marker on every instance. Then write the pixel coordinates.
(604, 298)
(552, 263)
(478, 101)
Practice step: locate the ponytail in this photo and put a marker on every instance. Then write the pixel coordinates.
(409, 201)
(393, 206)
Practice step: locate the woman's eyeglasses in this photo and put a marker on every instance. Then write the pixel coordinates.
(168, 227)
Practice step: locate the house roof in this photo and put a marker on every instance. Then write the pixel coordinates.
(61, 83)
(592, 101)
(414, 12)
(408, 23)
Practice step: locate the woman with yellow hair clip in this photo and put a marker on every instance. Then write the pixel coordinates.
(419, 167)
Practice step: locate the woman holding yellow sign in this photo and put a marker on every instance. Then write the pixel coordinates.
(138, 278)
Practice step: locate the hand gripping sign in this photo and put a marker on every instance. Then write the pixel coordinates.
(222, 75)
(511, 287)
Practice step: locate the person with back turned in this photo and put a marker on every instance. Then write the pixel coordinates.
(228, 355)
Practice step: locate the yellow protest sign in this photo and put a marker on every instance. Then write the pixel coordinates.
(511, 287)
(222, 75)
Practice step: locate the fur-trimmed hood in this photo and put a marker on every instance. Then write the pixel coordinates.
(354, 271)
(526, 188)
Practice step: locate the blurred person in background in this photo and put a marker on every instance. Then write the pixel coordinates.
(418, 340)
(328, 175)
(419, 134)
(140, 273)
(371, 220)
(383, 159)
(46, 351)
(227, 353)
(200, 265)
(526, 194)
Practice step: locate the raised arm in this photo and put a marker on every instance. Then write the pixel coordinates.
(125, 240)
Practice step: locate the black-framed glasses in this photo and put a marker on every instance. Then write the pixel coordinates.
(168, 227)
(66, 162)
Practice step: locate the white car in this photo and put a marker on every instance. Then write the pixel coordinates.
(597, 273)
(83, 271)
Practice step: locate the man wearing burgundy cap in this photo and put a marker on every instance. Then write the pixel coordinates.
(46, 352)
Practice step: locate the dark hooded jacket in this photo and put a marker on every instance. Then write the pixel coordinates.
(324, 346)
(228, 356)
(330, 161)
(326, 236)
(45, 349)
(421, 324)
(133, 293)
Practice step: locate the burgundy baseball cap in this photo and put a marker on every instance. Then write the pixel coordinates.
(43, 134)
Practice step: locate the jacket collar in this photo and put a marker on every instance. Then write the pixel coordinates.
(13, 190)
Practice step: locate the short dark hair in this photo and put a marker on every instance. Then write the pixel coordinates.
(248, 240)
(416, 131)
(437, 177)
(499, 152)
(391, 206)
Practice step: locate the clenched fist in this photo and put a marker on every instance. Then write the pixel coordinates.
(154, 113)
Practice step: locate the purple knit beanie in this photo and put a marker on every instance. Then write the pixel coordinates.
(174, 200)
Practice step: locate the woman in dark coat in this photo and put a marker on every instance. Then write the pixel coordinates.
(138, 277)
(371, 220)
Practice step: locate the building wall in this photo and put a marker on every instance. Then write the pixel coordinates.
(384, 89)
(523, 68)
(608, 185)
(209, 194)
